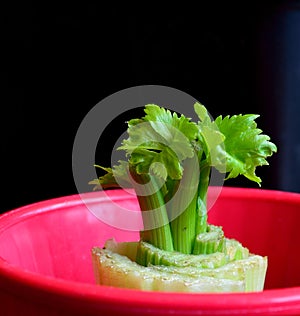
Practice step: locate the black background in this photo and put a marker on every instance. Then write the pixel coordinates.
(59, 62)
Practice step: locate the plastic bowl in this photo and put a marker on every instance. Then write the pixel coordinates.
(45, 261)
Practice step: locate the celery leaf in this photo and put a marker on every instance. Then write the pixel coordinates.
(159, 142)
(245, 145)
(211, 137)
(113, 177)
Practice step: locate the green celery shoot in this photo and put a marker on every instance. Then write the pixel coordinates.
(169, 165)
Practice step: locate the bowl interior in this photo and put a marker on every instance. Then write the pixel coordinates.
(55, 237)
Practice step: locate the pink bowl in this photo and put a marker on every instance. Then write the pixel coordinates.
(46, 269)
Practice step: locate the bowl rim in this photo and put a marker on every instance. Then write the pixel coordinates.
(278, 300)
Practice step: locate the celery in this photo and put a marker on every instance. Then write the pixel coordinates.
(169, 165)
(114, 269)
(148, 254)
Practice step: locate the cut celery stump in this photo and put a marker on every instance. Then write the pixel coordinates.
(113, 267)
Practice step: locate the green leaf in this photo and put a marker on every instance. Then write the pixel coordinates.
(202, 113)
(184, 125)
(245, 145)
(159, 142)
(113, 177)
(212, 138)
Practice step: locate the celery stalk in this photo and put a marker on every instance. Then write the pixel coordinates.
(183, 226)
(154, 213)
